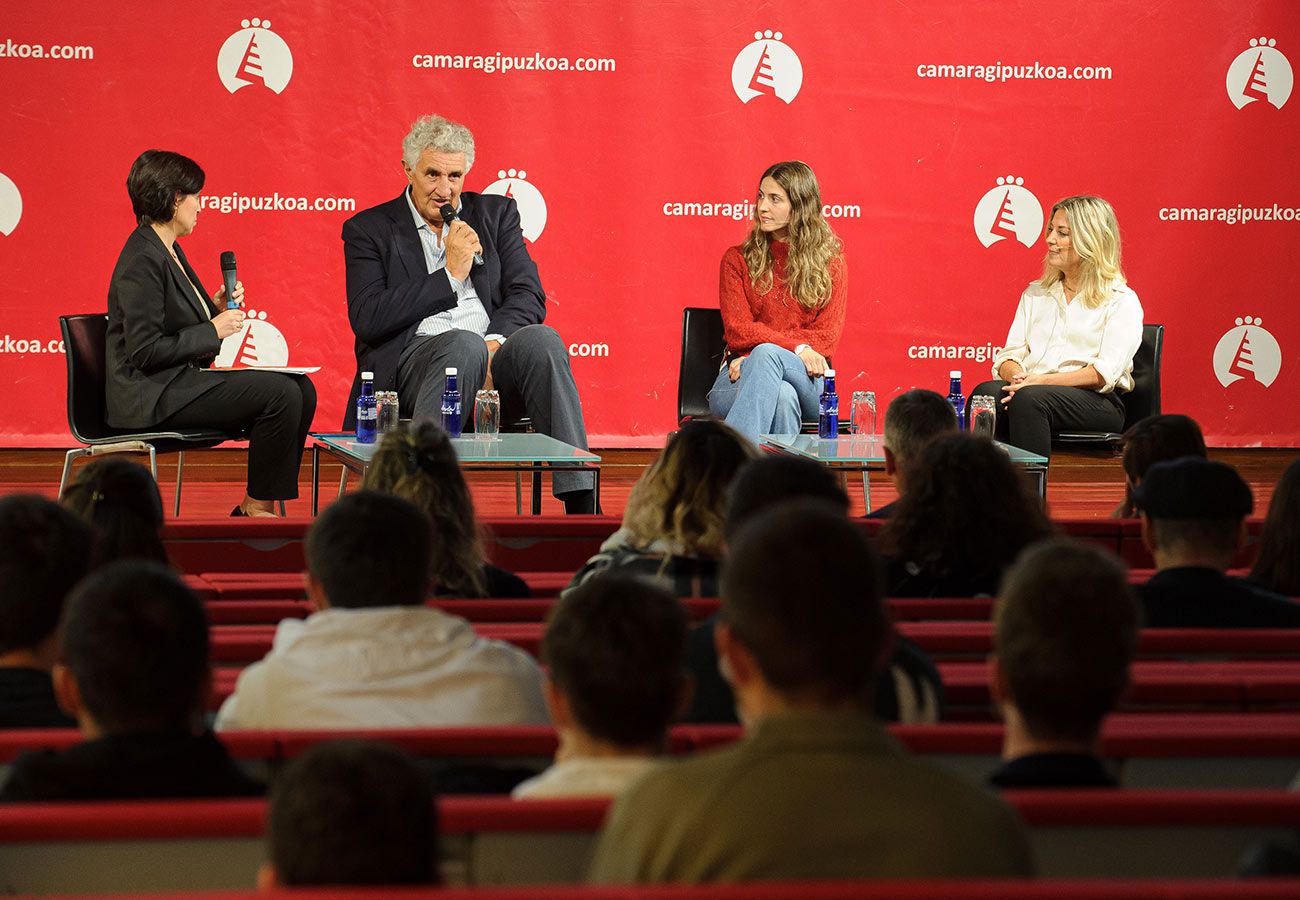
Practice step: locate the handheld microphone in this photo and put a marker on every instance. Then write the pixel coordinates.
(449, 215)
(228, 276)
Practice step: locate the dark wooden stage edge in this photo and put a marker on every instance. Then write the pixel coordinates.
(1080, 484)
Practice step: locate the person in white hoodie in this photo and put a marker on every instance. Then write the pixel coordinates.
(373, 655)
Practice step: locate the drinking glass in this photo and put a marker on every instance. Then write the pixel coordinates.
(983, 415)
(862, 412)
(387, 411)
(487, 415)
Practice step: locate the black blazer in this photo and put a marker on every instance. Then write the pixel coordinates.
(159, 335)
(390, 290)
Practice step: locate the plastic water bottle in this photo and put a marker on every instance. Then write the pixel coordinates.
(367, 410)
(957, 398)
(828, 414)
(451, 405)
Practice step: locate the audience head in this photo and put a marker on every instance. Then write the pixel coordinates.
(681, 498)
(615, 647)
(769, 480)
(1152, 440)
(966, 510)
(788, 194)
(157, 180)
(1278, 564)
(418, 463)
(1065, 630)
(1093, 235)
(135, 645)
(912, 419)
(351, 813)
(369, 549)
(1193, 512)
(802, 614)
(120, 502)
(44, 550)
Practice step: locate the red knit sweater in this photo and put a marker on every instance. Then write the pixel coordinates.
(750, 318)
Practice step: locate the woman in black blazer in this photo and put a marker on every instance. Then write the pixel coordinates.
(164, 330)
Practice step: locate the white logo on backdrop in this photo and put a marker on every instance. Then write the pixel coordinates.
(255, 55)
(1247, 351)
(1008, 211)
(258, 343)
(11, 205)
(532, 205)
(767, 66)
(1260, 73)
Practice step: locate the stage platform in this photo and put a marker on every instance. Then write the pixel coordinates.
(1080, 484)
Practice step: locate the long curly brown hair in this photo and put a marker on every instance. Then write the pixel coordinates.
(965, 510)
(681, 498)
(813, 245)
(418, 463)
(1278, 565)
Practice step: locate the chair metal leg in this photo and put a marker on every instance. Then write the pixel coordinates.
(153, 462)
(343, 481)
(519, 493)
(282, 513)
(537, 492)
(180, 471)
(67, 469)
(866, 490)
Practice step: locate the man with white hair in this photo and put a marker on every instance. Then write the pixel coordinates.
(428, 292)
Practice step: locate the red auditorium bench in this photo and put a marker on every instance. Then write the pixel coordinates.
(197, 845)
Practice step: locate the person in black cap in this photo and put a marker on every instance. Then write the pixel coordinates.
(1194, 522)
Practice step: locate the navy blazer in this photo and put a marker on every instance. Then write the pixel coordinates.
(159, 335)
(390, 290)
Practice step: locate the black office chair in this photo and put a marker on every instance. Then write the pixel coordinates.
(702, 349)
(1142, 401)
(703, 345)
(83, 339)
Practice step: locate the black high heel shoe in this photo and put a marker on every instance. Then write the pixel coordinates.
(238, 511)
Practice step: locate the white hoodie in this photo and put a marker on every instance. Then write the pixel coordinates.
(384, 667)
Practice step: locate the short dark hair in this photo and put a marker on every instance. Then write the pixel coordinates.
(120, 502)
(371, 549)
(966, 510)
(915, 417)
(769, 480)
(1065, 630)
(615, 646)
(803, 590)
(1157, 439)
(157, 177)
(352, 813)
(43, 552)
(136, 639)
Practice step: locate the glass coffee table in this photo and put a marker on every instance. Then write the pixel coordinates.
(518, 453)
(866, 453)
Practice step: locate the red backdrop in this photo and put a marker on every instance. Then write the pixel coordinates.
(633, 134)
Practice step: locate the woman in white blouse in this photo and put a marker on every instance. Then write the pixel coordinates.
(1069, 353)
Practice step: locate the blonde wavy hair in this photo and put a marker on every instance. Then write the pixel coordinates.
(681, 498)
(813, 245)
(418, 463)
(1094, 235)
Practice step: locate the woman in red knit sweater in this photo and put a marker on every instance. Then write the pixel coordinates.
(782, 298)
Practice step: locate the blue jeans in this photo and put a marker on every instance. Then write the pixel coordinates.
(774, 394)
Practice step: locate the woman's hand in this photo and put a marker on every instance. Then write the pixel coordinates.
(1019, 380)
(228, 322)
(813, 361)
(219, 301)
(733, 368)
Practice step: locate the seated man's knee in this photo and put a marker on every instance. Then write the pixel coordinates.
(540, 338)
(468, 346)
